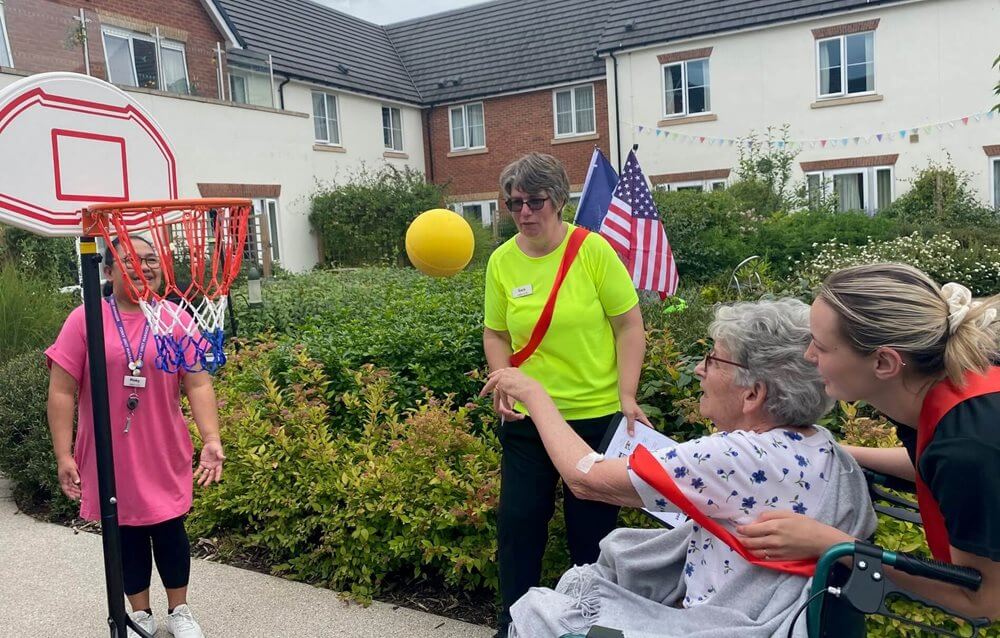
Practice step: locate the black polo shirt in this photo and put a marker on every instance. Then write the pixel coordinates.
(961, 467)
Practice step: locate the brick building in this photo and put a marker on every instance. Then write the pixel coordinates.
(168, 46)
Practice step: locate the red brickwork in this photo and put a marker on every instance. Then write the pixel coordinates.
(515, 125)
(44, 36)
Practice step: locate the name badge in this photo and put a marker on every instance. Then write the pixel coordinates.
(522, 291)
(135, 382)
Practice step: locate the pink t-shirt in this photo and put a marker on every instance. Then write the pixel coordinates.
(153, 469)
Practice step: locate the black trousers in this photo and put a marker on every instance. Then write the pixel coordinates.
(170, 548)
(527, 501)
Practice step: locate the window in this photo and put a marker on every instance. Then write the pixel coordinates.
(5, 55)
(483, 211)
(697, 185)
(133, 60)
(247, 87)
(392, 128)
(468, 130)
(995, 164)
(325, 119)
(574, 110)
(265, 212)
(846, 64)
(686, 88)
(859, 189)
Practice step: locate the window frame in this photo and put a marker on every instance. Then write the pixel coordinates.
(843, 68)
(869, 184)
(158, 46)
(995, 181)
(684, 84)
(465, 126)
(6, 50)
(248, 77)
(572, 96)
(392, 147)
(702, 185)
(487, 206)
(336, 103)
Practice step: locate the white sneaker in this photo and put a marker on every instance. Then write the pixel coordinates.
(181, 624)
(145, 621)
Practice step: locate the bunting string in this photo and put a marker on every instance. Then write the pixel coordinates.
(879, 137)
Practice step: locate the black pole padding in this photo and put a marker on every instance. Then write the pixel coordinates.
(110, 533)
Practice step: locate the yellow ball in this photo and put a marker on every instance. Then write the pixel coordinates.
(439, 242)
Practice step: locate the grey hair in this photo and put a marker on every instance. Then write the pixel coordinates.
(770, 338)
(536, 173)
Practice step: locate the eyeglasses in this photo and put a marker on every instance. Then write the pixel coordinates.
(150, 261)
(534, 203)
(710, 357)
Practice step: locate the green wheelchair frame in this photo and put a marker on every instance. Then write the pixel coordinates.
(842, 596)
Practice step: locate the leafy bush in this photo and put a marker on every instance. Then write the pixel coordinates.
(26, 455)
(941, 257)
(412, 493)
(365, 221)
(31, 312)
(708, 232)
(941, 198)
(52, 260)
(427, 331)
(765, 173)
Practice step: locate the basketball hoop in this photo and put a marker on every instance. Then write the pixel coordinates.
(206, 237)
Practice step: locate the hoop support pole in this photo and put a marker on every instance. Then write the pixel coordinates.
(110, 532)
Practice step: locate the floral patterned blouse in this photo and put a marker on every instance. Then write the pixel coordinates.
(734, 477)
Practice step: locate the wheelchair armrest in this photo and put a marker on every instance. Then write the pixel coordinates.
(966, 577)
(889, 482)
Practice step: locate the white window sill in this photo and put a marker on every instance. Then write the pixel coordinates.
(688, 119)
(823, 102)
(469, 151)
(583, 137)
(328, 148)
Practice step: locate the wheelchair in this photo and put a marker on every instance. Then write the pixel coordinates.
(841, 597)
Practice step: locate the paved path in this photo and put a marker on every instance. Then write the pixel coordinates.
(52, 584)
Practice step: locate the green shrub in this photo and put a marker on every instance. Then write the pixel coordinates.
(764, 170)
(410, 493)
(52, 260)
(26, 455)
(787, 238)
(31, 312)
(942, 198)
(708, 232)
(365, 221)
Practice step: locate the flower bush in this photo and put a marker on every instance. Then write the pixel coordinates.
(942, 257)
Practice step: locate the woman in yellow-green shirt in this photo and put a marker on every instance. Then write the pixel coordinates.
(588, 361)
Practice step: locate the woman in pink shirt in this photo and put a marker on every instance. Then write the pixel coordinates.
(152, 444)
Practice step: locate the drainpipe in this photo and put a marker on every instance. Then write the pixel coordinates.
(281, 92)
(618, 122)
(430, 144)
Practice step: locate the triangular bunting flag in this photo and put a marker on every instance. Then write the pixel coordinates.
(965, 120)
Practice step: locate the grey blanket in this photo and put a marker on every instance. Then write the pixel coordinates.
(637, 584)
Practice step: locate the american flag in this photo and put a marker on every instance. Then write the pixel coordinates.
(632, 227)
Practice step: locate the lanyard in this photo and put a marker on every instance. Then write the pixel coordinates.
(134, 362)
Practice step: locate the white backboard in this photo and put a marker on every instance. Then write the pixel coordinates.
(70, 140)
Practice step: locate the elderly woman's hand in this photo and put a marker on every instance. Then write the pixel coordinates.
(783, 535)
(512, 383)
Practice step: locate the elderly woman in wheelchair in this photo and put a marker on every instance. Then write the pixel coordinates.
(767, 460)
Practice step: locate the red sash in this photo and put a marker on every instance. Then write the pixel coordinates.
(650, 470)
(939, 401)
(545, 319)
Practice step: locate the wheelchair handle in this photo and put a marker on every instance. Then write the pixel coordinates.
(966, 577)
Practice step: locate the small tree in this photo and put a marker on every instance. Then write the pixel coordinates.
(765, 173)
(364, 221)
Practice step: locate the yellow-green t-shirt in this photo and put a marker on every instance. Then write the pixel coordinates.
(576, 362)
